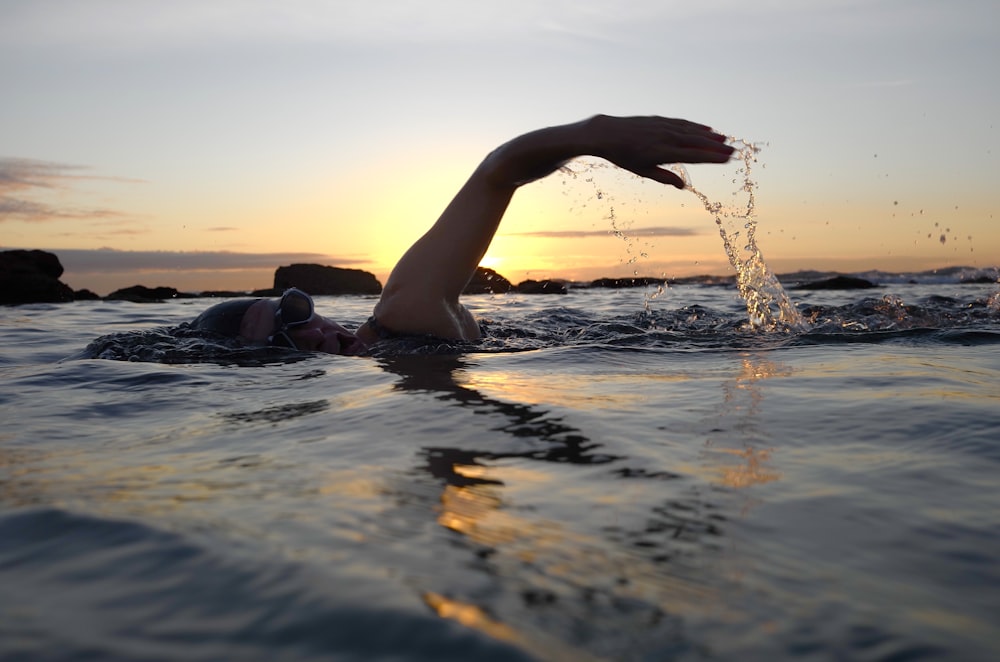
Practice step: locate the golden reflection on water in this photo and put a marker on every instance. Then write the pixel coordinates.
(602, 391)
(480, 513)
(740, 409)
(476, 618)
(470, 616)
(752, 471)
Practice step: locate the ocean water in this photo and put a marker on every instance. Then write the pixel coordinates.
(609, 475)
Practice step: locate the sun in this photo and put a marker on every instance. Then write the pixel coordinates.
(491, 262)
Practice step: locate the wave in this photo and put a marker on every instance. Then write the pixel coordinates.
(93, 588)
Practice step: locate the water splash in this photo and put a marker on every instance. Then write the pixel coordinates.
(768, 306)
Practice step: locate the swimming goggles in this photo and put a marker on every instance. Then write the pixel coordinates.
(295, 308)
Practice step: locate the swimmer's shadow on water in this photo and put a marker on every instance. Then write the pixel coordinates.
(278, 413)
(540, 436)
(631, 571)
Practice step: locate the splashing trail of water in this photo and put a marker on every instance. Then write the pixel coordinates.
(768, 306)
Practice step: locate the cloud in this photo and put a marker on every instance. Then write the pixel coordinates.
(660, 231)
(183, 26)
(21, 178)
(109, 260)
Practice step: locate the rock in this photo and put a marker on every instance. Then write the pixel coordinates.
(487, 281)
(317, 279)
(32, 277)
(541, 287)
(222, 294)
(638, 281)
(143, 294)
(837, 283)
(85, 295)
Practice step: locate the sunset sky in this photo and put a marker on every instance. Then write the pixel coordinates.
(201, 144)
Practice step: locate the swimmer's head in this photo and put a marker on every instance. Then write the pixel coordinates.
(224, 318)
(290, 321)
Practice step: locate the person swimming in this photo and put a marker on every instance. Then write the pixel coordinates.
(421, 296)
(290, 321)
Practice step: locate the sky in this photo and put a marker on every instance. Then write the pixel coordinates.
(200, 144)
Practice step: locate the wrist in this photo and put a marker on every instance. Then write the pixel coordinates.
(536, 154)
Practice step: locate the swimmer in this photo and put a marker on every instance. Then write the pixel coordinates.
(422, 294)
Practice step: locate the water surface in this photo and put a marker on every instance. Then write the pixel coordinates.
(604, 477)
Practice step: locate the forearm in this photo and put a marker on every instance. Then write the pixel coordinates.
(534, 155)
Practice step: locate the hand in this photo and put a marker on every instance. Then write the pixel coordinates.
(643, 144)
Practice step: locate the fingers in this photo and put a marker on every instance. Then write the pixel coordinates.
(699, 155)
(702, 148)
(677, 140)
(642, 144)
(664, 177)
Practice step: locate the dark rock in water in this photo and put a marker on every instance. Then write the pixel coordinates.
(85, 295)
(32, 277)
(616, 283)
(487, 281)
(318, 279)
(143, 294)
(223, 294)
(837, 283)
(541, 287)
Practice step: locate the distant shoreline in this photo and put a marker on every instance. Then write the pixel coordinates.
(33, 276)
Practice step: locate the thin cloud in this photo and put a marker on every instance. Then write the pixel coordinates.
(109, 260)
(21, 178)
(660, 231)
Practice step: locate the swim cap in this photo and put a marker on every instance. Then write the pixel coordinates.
(224, 318)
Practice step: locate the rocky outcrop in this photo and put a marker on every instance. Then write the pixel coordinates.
(487, 281)
(32, 277)
(837, 283)
(637, 281)
(317, 279)
(223, 294)
(541, 287)
(143, 294)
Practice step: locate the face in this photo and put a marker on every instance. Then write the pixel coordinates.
(318, 334)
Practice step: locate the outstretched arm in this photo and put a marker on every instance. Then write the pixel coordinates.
(421, 295)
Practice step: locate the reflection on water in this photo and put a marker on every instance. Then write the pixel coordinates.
(469, 616)
(613, 580)
(740, 425)
(751, 471)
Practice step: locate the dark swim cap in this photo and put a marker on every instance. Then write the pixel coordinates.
(224, 318)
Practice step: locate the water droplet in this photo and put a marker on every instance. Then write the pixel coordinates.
(943, 239)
